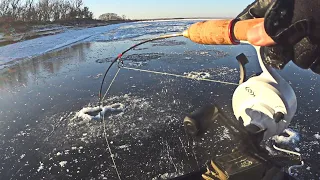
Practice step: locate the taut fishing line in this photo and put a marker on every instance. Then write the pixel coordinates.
(118, 58)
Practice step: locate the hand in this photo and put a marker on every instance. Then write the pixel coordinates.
(292, 25)
(258, 36)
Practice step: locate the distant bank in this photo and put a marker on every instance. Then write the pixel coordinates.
(17, 31)
(182, 18)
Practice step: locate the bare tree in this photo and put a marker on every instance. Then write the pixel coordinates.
(78, 4)
(4, 8)
(110, 16)
(56, 11)
(65, 8)
(76, 8)
(86, 13)
(15, 4)
(43, 10)
(28, 13)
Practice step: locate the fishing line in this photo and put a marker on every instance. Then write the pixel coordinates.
(101, 98)
(105, 127)
(109, 148)
(118, 58)
(181, 76)
(292, 153)
(114, 78)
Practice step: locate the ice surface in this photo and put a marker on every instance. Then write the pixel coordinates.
(45, 44)
(38, 46)
(145, 119)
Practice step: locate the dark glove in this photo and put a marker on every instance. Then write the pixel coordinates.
(275, 174)
(293, 25)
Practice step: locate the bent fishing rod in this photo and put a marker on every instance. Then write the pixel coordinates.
(212, 32)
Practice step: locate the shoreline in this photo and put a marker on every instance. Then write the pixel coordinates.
(14, 32)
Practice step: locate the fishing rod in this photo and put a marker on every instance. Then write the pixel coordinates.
(213, 32)
(264, 105)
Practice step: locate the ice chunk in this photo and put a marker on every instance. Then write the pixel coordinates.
(124, 146)
(22, 156)
(63, 163)
(40, 167)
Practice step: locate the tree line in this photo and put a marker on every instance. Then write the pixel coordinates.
(43, 10)
(112, 16)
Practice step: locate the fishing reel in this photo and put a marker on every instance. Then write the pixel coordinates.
(263, 106)
(265, 102)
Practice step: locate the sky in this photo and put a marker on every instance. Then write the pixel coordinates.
(147, 9)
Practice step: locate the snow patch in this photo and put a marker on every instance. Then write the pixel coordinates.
(317, 136)
(124, 146)
(225, 134)
(198, 75)
(293, 137)
(22, 156)
(88, 113)
(137, 64)
(167, 176)
(271, 151)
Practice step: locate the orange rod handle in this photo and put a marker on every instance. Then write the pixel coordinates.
(220, 31)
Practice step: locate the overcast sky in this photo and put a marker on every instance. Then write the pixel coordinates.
(137, 9)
